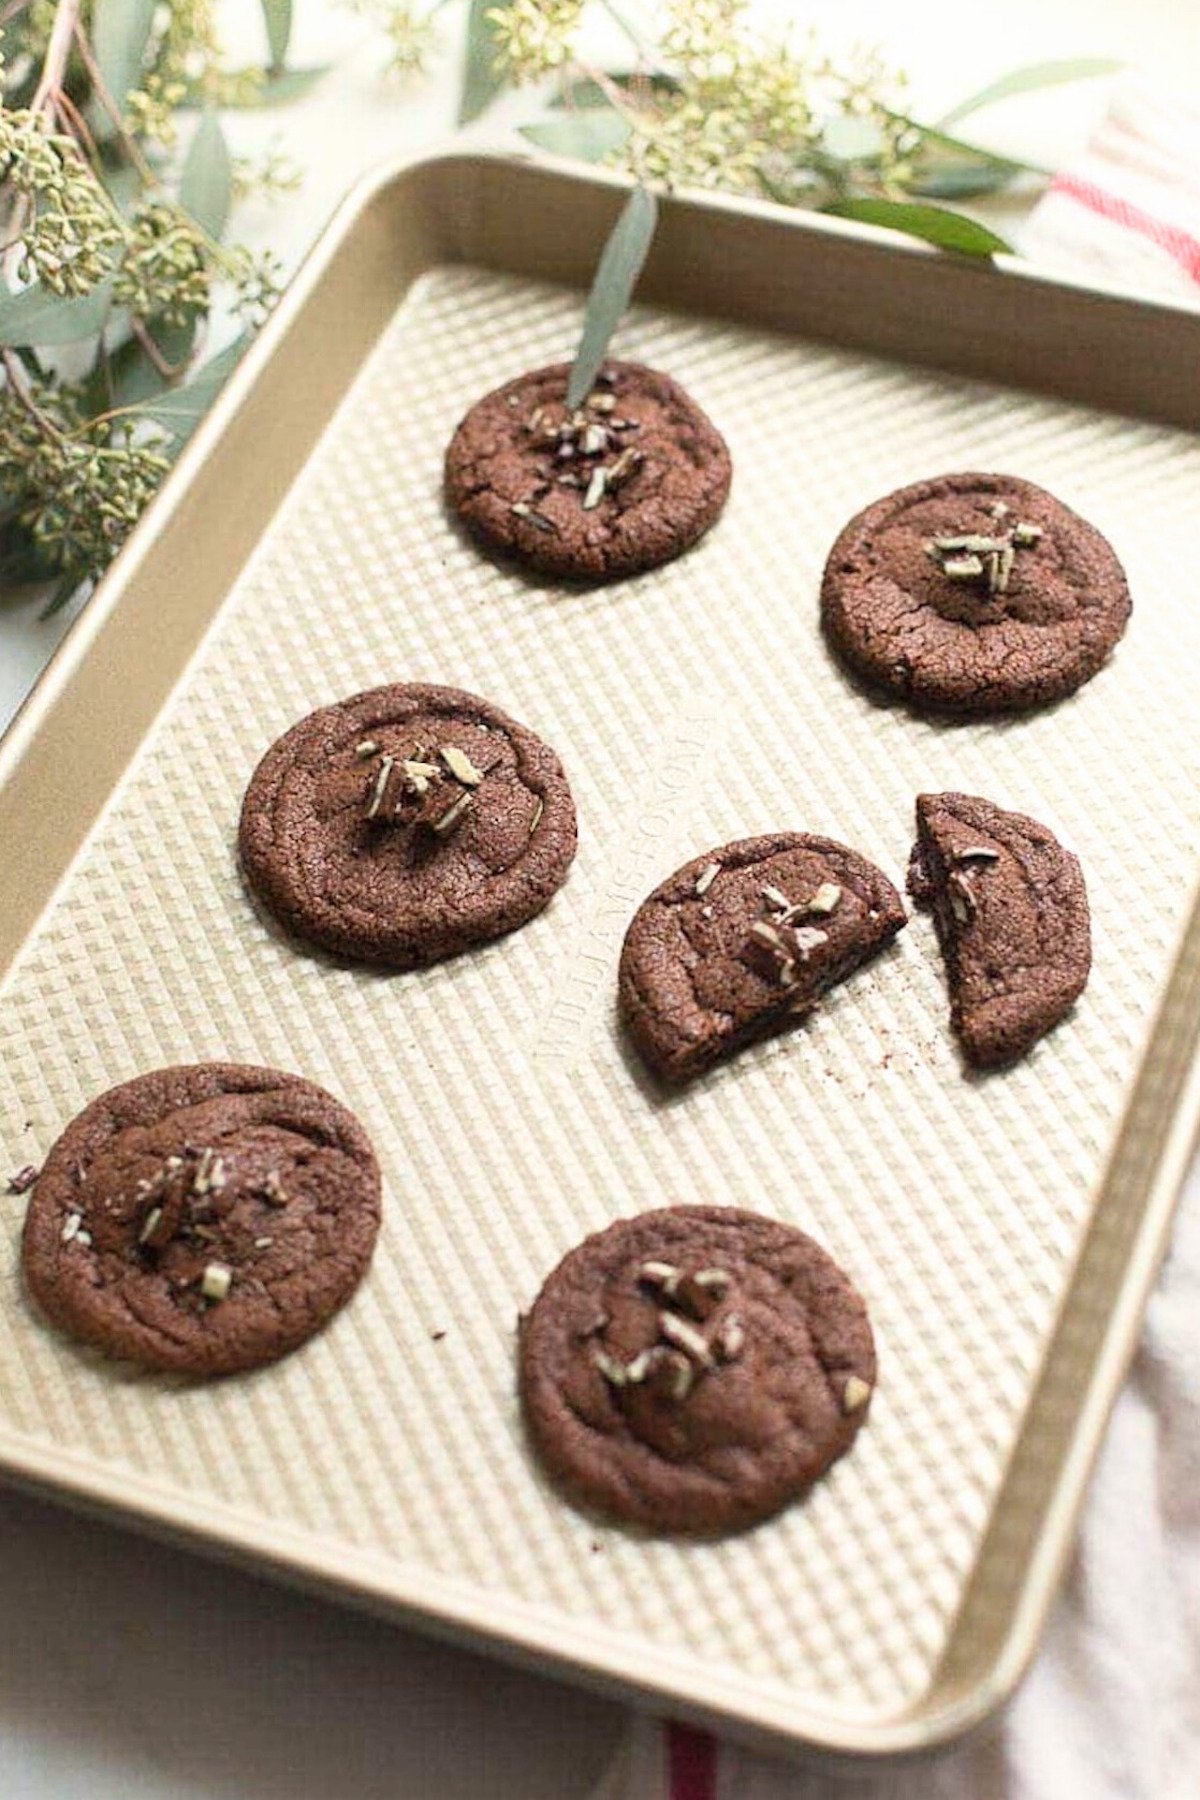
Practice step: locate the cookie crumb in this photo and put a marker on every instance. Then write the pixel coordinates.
(23, 1179)
(855, 1394)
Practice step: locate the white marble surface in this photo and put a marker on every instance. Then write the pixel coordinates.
(128, 1670)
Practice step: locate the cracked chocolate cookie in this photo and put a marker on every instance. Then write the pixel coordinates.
(743, 941)
(203, 1220)
(407, 824)
(1011, 912)
(630, 480)
(973, 594)
(694, 1369)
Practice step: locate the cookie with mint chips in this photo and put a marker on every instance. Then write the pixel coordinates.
(628, 480)
(405, 825)
(203, 1220)
(694, 1369)
(974, 595)
(742, 942)
(1011, 910)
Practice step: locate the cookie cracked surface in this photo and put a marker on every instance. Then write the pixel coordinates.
(694, 1369)
(973, 594)
(1011, 911)
(743, 941)
(407, 824)
(203, 1219)
(629, 481)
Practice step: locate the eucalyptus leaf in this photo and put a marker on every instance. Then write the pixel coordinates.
(120, 33)
(946, 168)
(966, 180)
(934, 224)
(206, 184)
(181, 409)
(277, 16)
(616, 277)
(36, 316)
(590, 135)
(935, 142)
(482, 80)
(1027, 79)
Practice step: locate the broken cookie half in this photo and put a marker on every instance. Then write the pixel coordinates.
(743, 941)
(1011, 912)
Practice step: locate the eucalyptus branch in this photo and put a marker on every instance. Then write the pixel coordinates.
(72, 120)
(19, 389)
(78, 457)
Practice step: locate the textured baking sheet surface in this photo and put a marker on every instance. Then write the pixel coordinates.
(691, 706)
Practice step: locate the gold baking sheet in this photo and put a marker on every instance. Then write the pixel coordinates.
(1003, 1230)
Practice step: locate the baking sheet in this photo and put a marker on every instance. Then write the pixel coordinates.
(693, 705)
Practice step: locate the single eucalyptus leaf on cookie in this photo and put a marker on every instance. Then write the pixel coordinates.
(933, 224)
(206, 184)
(616, 277)
(482, 78)
(36, 316)
(590, 135)
(1027, 79)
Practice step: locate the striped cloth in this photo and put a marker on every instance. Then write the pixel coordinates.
(1128, 212)
(1111, 1710)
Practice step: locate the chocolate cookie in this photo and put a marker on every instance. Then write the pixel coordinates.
(1011, 912)
(406, 824)
(203, 1219)
(629, 481)
(694, 1369)
(973, 594)
(743, 941)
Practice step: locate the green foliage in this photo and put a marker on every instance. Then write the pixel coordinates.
(934, 224)
(114, 248)
(712, 103)
(482, 77)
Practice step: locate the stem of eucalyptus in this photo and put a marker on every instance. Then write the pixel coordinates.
(58, 49)
(54, 68)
